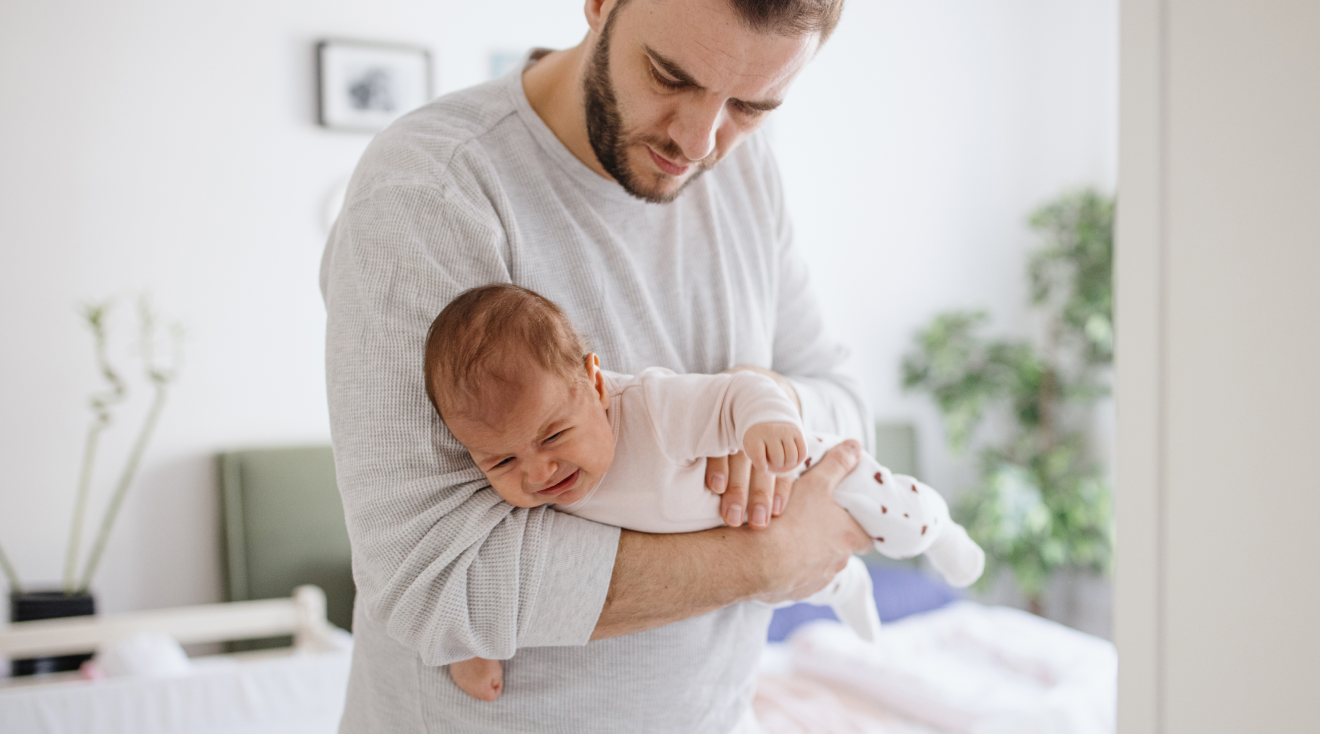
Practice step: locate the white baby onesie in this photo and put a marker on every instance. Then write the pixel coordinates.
(665, 425)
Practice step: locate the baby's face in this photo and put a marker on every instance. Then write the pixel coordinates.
(547, 441)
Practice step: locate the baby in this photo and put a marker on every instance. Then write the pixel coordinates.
(513, 382)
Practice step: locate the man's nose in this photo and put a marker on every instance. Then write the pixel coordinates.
(695, 126)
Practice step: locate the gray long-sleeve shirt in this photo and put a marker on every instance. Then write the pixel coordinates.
(471, 189)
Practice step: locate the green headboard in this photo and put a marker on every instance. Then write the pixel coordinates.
(284, 527)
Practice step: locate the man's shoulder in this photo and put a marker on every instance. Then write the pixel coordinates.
(750, 174)
(441, 142)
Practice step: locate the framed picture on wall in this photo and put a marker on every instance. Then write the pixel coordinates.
(365, 86)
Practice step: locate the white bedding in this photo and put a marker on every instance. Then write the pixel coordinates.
(290, 693)
(966, 669)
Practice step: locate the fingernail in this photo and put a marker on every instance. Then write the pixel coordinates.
(759, 516)
(717, 484)
(779, 506)
(735, 516)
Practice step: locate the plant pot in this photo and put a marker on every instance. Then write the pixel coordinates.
(33, 605)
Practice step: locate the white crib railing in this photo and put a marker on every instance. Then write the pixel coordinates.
(302, 616)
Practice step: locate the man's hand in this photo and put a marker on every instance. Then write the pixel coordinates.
(748, 493)
(660, 579)
(811, 544)
(741, 484)
(775, 447)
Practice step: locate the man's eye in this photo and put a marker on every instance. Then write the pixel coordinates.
(744, 109)
(665, 81)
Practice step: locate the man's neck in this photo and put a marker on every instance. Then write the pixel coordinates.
(553, 87)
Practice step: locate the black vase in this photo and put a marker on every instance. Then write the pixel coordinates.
(32, 605)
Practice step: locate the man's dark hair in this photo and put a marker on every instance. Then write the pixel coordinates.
(790, 17)
(785, 17)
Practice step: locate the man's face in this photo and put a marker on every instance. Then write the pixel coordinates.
(673, 86)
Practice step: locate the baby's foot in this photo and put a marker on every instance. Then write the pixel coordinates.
(480, 678)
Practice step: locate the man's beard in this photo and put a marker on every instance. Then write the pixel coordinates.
(605, 126)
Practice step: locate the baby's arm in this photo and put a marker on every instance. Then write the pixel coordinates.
(696, 416)
(480, 678)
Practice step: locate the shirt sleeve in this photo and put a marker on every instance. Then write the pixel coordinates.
(449, 569)
(697, 416)
(813, 360)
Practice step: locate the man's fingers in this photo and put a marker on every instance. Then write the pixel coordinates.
(733, 505)
(760, 497)
(717, 474)
(836, 463)
(783, 488)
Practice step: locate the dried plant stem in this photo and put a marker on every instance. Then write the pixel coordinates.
(121, 489)
(10, 573)
(80, 505)
(101, 403)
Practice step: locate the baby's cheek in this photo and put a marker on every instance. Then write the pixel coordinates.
(512, 494)
(601, 451)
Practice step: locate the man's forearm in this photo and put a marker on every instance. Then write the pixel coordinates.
(660, 579)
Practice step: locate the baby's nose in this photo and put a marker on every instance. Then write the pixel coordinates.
(543, 470)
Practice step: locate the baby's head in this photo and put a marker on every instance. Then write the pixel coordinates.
(513, 381)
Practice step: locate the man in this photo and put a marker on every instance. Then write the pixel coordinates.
(591, 177)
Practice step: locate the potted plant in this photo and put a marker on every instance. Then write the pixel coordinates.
(74, 597)
(1042, 504)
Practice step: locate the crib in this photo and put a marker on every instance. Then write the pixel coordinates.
(297, 689)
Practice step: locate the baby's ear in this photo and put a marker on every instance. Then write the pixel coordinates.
(597, 378)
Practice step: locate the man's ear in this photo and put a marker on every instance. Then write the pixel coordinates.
(597, 378)
(597, 12)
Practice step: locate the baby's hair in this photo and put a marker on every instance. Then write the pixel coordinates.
(478, 337)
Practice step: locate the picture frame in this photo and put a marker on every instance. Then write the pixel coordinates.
(363, 86)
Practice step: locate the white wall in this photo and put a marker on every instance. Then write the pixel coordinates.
(1219, 337)
(913, 148)
(172, 147)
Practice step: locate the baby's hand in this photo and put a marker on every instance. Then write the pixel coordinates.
(480, 678)
(775, 447)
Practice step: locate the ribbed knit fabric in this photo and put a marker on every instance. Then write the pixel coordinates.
(474, 189)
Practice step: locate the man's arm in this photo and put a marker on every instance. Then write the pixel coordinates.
(659, 579)
(811, 365)
(814, 361)
(449, 569)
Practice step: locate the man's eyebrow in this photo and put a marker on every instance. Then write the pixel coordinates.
(671, 68)
(680, 75)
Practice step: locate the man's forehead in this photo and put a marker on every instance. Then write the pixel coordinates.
(718, 49)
